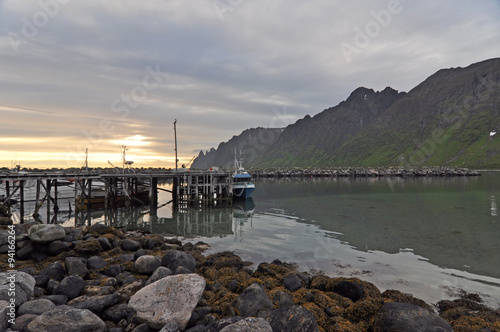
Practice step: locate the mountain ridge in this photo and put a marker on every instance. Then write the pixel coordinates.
(446, 120)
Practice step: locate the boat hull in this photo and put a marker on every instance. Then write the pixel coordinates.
(243, 191)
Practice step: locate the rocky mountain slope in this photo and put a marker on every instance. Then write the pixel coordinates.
(251, 143)
(313, 139)
(450, 119)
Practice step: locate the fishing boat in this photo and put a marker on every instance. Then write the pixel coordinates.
(243, 187)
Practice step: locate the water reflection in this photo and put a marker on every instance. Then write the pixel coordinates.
(493, 206)
(427, 236)
(242, 214)
(187, 223)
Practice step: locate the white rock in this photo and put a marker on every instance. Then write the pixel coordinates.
(172, 299)
(46, 233)
(20, 283)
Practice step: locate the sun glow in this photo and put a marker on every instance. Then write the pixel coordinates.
(137, 140)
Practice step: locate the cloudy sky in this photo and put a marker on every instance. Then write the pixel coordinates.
(101, 74)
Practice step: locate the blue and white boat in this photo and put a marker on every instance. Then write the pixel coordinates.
(243, 187)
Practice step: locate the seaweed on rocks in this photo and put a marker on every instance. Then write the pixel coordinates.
(101, 276)
(467, 314)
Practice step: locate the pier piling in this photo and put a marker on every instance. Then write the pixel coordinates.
(189, 188)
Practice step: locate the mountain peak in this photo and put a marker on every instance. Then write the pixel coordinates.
(449, 119)
(363, 93)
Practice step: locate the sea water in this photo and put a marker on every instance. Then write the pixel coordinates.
(434, 237)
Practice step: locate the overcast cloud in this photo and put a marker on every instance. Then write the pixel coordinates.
(99, 74)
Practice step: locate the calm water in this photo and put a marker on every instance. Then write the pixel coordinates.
(433, 237)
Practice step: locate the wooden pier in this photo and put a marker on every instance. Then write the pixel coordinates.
(189, 188)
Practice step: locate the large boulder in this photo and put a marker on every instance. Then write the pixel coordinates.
(22, 321)
(21, 283)
(407, 317)
(293, 319)
(71, 286)
(292, 282)
(350, 289)
(130, 245)
(96, 263)
(65, 318)
(251, 301)
(36, 307)
(76, 266)
(174, 259)
(147, 264)
(169, 299)
(54, 271)
(46, 233)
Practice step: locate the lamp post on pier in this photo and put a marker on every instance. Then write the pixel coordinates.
(175, 137)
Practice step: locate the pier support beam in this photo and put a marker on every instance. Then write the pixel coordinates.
(21, 196)
(153, 194)
(89, 196)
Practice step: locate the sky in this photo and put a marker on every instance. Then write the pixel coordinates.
(99, 75)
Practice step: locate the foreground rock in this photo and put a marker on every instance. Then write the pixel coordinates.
(46, 233)
(171, 299)
(404, 317)
(252, 301)
(64, 318)
(97, 280)
(293, 319)
(20, 283)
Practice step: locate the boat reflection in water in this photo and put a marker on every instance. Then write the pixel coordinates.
(187, 223)
(242, 213)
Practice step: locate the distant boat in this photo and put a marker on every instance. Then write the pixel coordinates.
(243, 187)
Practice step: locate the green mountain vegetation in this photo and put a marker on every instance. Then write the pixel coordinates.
(447, 120)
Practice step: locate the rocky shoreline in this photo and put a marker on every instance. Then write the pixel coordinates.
(99, 279)
(365, 172)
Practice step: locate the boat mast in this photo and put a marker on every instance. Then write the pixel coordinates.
(235, 162)
(123, 162)
(175, 137)
(86, 159)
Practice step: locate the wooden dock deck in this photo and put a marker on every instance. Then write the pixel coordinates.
(189, 188)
